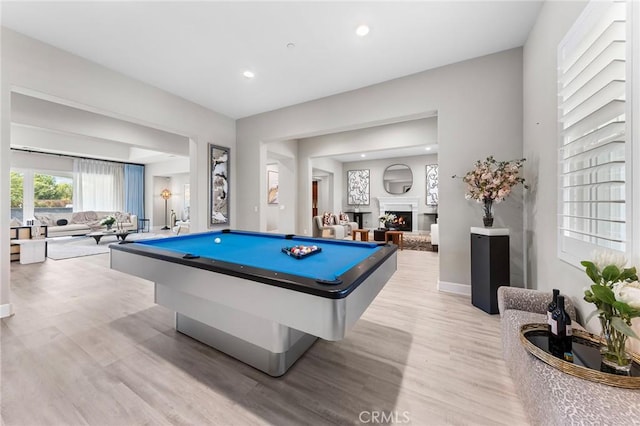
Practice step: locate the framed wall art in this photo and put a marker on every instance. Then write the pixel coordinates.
(218, 185)
(272, 187)
(358, 187)
(432, 185)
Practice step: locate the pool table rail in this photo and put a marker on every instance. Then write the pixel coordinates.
(334, 289)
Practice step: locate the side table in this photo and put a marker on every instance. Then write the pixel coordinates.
(31, 250)
(397, 237)
(364, 234)
(489, 266)
(143, 225)
(378, 234)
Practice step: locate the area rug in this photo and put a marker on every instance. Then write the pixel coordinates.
(417, 242)
(69, 247)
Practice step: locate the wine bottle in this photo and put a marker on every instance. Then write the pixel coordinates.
(552, 306)
(560, 336)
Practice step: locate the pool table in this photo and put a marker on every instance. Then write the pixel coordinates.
(246, 297)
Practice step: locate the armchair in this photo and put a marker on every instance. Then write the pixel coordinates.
(327, 231)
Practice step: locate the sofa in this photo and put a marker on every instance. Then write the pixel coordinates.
(82, 223)
(435, 237)
(335, 229)
(550, 396)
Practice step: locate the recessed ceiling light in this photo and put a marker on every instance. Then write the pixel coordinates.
(248, 74)
(362, 30)
(291, 45)
(428, 148)
(363, 155)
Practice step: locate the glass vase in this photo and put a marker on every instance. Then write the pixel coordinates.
(487, 218)
(615, 358)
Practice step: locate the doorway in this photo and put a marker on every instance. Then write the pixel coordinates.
(314, 198)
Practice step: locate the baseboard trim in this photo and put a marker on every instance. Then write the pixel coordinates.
(455, 288)
(6, 310)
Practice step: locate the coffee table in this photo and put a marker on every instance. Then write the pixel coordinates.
(120, 235)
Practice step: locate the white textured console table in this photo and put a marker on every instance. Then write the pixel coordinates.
(31, 250)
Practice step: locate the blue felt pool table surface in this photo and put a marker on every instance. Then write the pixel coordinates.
(264, 251)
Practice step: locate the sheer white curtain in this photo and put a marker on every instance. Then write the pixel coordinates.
(98, 185)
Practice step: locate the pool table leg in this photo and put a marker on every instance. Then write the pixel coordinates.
(272, 363)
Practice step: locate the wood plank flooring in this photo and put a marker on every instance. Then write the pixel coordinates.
(87, 346)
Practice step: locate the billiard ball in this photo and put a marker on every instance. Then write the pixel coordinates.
(217, 240)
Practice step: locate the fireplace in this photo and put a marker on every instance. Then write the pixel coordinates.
(403, 220)
(403, 205)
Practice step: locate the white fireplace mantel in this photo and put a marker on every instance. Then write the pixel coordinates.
(401, 204)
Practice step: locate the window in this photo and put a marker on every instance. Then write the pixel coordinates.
(595, 149)
(17, 198)
(52, 194)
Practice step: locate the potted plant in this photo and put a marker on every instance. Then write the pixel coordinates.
(616, 294)
(491, 181)
(108, 222)
(387, 220)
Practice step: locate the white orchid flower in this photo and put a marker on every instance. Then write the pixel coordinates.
(628, 293)
(602, 259)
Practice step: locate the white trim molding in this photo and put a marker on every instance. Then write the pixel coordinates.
(6, 310)
(401, 204)
(454, 288)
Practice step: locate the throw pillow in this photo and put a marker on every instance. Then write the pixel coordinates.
(84, 217)
(122, 217)
(326, 219)
(91, 215)
(344, 217)
(78, 217)
(62, 222)
(45, 219)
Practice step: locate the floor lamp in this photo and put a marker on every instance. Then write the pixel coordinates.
(165, 194)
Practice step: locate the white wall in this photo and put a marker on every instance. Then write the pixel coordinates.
(545, 270)
(329, 184)
(283, 214)
(40, 70)
(34, 112)
(159, 217)
(417, 164)
(479, 108)
(178, 182)
(404, 134)
(272, 209)
(42, 162)
(153, 203)
(39, 139)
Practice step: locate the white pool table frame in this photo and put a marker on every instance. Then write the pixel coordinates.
(265, 326)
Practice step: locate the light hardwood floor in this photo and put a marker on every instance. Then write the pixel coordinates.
(87, 345)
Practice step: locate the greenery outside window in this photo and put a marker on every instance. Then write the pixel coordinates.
(17, 198)
(52, 193)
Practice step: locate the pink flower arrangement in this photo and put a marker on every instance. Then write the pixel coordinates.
(492, 180)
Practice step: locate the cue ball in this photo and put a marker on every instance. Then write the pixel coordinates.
(217, 240)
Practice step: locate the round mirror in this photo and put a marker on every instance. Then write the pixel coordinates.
(397, 179)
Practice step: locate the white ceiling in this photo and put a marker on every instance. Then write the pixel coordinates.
(198, 50)
(412, 151)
